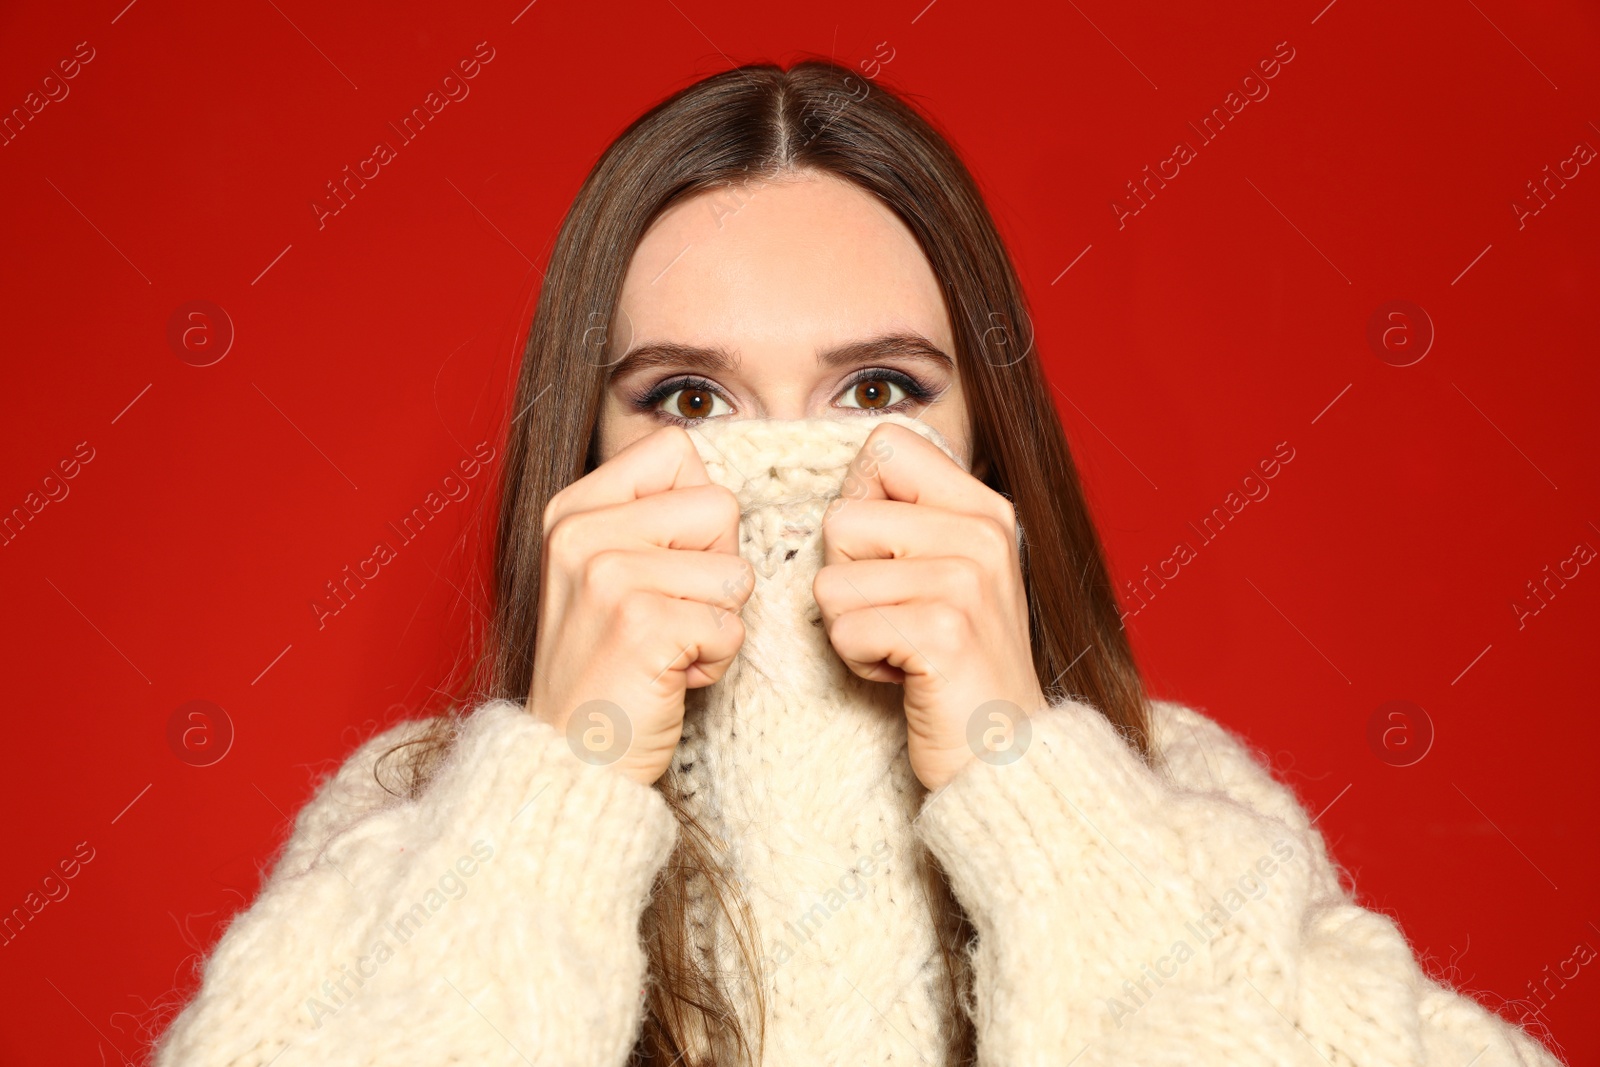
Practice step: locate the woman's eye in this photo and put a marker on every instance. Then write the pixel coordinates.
(873, 393)
(693, 402)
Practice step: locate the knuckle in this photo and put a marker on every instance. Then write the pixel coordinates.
(731, 633)
(837, 510)
(553, 508)
(563, 542)
(997, 540)
(605, 574)
(742, 582)
(727, 503)
(831, 592)
(635, 611)
(823, 584)
(841, 630)
(966, 577)
(946, 627)
(1005, 512)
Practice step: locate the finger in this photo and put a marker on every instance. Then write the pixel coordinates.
(689, 641)
(897, 642)
(661, 460)
(853, 585)
(712, 579)
(896, 529)
(897, 463)
(704, 517)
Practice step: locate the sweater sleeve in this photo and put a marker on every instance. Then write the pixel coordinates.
(1178, 915)
(491, 920)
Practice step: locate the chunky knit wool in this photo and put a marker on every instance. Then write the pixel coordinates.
(1125, 914)
(800, 766)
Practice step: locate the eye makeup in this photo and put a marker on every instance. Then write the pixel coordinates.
(649, 400)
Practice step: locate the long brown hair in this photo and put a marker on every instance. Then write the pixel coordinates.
(747, 124)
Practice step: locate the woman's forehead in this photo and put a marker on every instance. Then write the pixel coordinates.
(816, 258)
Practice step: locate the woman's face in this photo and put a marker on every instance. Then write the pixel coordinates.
(794, 299)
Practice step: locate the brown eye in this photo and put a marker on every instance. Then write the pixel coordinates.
(693, 402)
(873, 393)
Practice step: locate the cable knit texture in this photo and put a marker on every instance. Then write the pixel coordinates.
(1187, 913)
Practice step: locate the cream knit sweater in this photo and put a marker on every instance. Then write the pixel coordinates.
(1184, 915)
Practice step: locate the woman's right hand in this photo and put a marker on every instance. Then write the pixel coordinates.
(639, 596)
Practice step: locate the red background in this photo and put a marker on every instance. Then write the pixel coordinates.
(372, 354)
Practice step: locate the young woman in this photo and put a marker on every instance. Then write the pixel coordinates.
(805, 731)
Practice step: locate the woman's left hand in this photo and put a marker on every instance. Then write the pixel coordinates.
(921, 585)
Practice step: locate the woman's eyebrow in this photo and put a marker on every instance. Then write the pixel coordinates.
(887, 346)
(673, 354)
(718, 358)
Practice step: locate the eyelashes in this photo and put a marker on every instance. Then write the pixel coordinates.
(649, 400)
